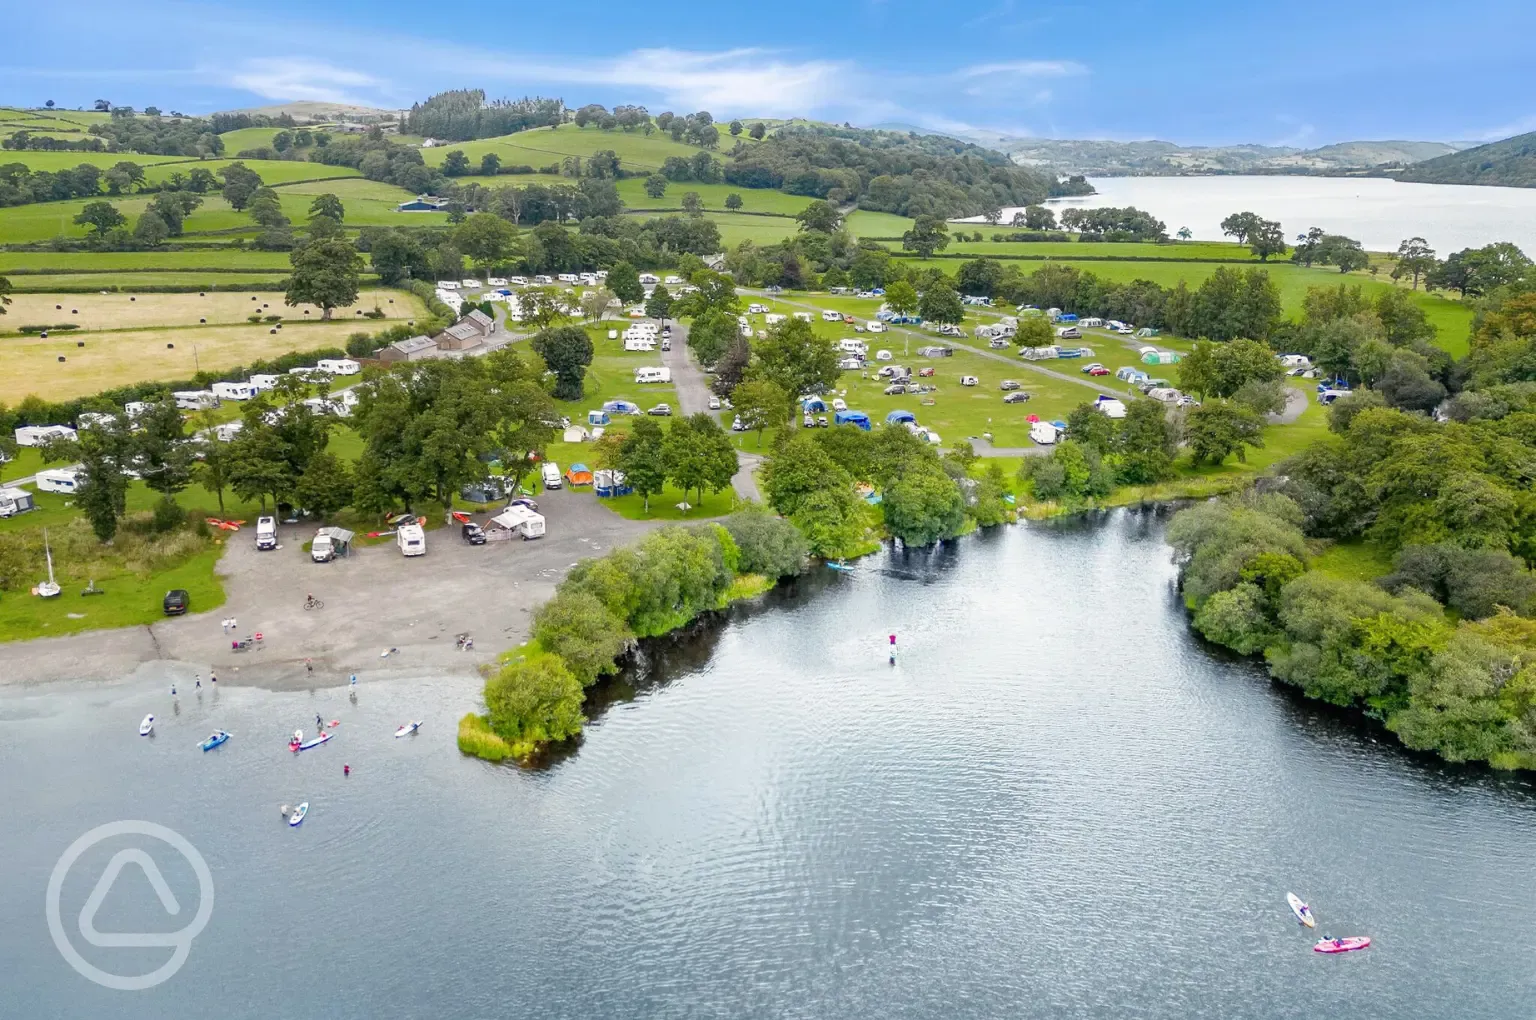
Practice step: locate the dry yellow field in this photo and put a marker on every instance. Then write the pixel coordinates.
(29, 364)
(134, 311)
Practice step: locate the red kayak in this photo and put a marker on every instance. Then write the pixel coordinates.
(1348, 945)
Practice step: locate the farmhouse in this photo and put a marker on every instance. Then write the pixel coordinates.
(467, 332)
(416, 348)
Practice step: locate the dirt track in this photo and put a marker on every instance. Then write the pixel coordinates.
(374, 600)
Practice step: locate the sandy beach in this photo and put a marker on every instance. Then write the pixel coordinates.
(375, 600)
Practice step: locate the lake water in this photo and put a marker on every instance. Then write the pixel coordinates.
(1057, 804)
(1376, 211)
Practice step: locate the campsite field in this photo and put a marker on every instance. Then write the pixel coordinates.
(141, 355)
(93, 312)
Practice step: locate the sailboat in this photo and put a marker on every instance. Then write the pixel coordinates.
(48, 589)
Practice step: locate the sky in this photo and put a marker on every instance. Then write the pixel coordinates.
(1300, 73)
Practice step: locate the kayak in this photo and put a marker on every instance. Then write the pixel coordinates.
(1301, 910)
(407, 729)
(299, 813)
(1348, 945)
(295, 746)
(839, 566)
(147, 726)
(213, 741)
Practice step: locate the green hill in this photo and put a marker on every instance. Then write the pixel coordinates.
(1510, 163)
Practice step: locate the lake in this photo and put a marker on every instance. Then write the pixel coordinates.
(1378, 212)
(1057, 804)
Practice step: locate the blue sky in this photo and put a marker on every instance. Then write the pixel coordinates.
(1304, 72)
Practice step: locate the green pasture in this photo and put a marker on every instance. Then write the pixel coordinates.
(736, 228)
(272, 171)
(543, 146)
(862, 223)
(138, 261)
(348, 189)
(759, 200)
(55, 161)
(127, 281)
(1214, 250)
(248, 138)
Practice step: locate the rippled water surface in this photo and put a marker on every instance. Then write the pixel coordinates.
(1056, 804)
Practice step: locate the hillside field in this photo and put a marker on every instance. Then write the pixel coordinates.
(129, 281)
(131, 261)
(542, 146)
(95, 312)
(632, 191)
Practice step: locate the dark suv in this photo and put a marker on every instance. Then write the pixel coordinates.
(473, 534)
(176, 602)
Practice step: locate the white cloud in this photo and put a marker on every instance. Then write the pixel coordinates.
(299, 78)
(1024, 69)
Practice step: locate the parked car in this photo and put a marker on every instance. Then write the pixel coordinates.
(472, 533)
(176, 602)
(858, 327)
(1009, 384)
(998, 343)
(1016, 397)
(1097, 370)
(666, 343)
(893, 390)
(821, 421)
(969, 380)
(714, 403)
(737, 426)
(925, 372)
(524, 501)
(1090, 367)
(810, 421)
(661, 410)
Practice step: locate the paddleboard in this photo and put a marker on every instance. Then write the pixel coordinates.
(1301, 910)
(408, 729)
(147, 726)
(1348, 945)
(306, 745)
(298, 813)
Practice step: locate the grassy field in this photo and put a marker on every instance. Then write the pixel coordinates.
(1451, 318)
(31, 364)
(248, 138)
(632, 191)
(122, 311)
(876, 224)
(736, 228)
(271, 171)
(514, 180)
(128, 281)
(28, 461)
(543, 146)
(353, 188)
(55, 161)
(1354, 561)
(134, 261)
(1077, 249)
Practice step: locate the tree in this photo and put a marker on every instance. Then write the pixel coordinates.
(594, 303)
(980, 277)
(699, 455)
(173, 207)
(733, 201)
(397, 256)
(796, 358)
(941, 305)
(711, 334)
(328, 205)
(1241, 226)
(266, 209)
(1266, 239)
(533, 701)
(567, 350)
(761, 405)
(100, 217)
(490, 165)
(1415, 259)
(5, 294)
(656, 186)
(240, 185)
(735, 128)
(1221, 370)
(642, 460)
(1219, 428)
(901, 298)
(768, 545)
(1038, 217)
(325, 273)
(456, 164)
(486, 238)
(542, 306)
(326, 485)
(926, 237)
(1146, 443)
(624, 281)
(1034, 331)
(659, 304)
(692, 204)
(151, 230)
(819, 215)
(758, 131)
(162, 453)
(588, 638)
(923, 507)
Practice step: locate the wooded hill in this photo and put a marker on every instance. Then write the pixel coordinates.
(1510, 163)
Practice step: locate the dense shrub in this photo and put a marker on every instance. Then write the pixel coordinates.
(769, 545)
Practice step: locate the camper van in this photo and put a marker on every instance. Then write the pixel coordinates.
(195, 400)
(856, 347)
(1043, 432)
(639, 343)
(411, 540)
(756, 308)
(338, 366)
(652, 374)
(520, 520)
(550, 475)
(266, 533)
(233, 390)
(65, 480)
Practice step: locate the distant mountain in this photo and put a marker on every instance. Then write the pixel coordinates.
(308, 110)
(1120, 159)
(1511, 163)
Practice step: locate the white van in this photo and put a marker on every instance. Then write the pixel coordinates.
(550, 474)
(1043, 432)
(411, 540)
(266, 533)
(321, 549)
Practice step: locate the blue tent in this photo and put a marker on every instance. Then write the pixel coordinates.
(896, 417)
(621, 407)
(813, 405)
(1067, 318)
(597, 417)
(858, 418)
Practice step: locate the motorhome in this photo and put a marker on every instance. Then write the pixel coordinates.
(875, 326)
(411, 539)
(1109, 407)
(756, 308)
(195, 400)
(652, 374)
(828, 315)
(233, 390)
(774, 317)
(549, 474)
(640, 343)
(520, 520)
(266, 533)
(65, 480)
(856, 347)
(37, 435)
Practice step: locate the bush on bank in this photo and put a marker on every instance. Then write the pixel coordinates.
(658, 585)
